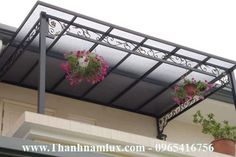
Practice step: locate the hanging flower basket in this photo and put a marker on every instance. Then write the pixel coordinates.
(84, 66)
(190, 88)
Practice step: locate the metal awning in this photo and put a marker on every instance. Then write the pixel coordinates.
(143, 69)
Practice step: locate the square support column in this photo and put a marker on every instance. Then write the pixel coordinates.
(233, 85)
(42, 62)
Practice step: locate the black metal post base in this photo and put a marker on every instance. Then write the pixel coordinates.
(162, 137)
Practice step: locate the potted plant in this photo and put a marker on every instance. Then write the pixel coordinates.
(84, 66)
(223, 133)
(190, 88)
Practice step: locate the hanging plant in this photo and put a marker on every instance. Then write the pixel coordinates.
(190, 88)
(84, 66)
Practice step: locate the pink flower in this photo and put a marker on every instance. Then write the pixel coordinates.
(76, 78)
(176, 87)
(209, 86)
(201, 97)
(65, 67)
(189, 97)
(177, 100)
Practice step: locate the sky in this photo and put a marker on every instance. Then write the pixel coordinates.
(206, 25)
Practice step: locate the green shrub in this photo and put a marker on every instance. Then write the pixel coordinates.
(212, 127)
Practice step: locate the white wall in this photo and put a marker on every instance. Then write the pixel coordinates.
(76, 110)
(182, 132)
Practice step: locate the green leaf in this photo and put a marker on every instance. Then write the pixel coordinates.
(212, 127)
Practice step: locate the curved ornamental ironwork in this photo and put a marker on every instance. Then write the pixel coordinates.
(178, 109)
(30, 36)
(56, 26)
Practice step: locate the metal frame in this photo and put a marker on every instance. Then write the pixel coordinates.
(173, 58)
(233, 86)
(42, 62)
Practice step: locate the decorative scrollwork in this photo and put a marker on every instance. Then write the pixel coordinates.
(85, 33)
(164, 120)
(182, 61)
(211, 69)
(78, 31)
(56, 27)
(120, 43)
(20, 48)
(32, 34)
(151, 52)
(164, 56)
(224, 80)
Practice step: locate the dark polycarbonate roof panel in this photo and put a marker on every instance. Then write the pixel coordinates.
(138, 95)
(109, 88)
(160, 103)
(64, 88)
(21, 66)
